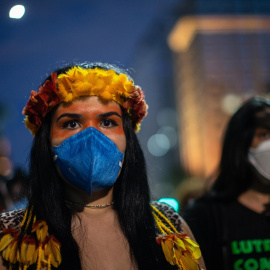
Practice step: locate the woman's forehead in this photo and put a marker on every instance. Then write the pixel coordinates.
(89, 103)
(262, 119)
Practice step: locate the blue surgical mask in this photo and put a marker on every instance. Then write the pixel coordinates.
(89, 160)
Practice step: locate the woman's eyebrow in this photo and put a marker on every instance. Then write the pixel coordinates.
(70, 115)
(107, 114)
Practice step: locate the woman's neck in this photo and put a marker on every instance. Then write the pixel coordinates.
(79, 200)
(254, 200)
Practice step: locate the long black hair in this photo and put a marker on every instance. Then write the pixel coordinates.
(235, 173)
(130, 194)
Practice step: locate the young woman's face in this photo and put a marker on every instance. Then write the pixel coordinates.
(262, 133)
(71, 118)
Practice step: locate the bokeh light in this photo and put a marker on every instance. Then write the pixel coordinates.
(230, 103)
(171, 133)
(158, 145)
(172, 202)
(16, 12)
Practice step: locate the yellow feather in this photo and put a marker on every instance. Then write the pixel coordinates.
(194, 248)
(54, 251)
(5, 241)
(35, 256)
(23, 252)
(18, 255)
(180, 243)
(191, 242)
(168, 251)
(106, 95)
(42, 256)
(13, 252)
(31, 254)
(188, 261)
(41, 229)
(6, 252)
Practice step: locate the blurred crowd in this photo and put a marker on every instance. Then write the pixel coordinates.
(11, 191)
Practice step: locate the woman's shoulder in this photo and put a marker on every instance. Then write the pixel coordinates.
(205, 206)
(170, 213)
(11, 219)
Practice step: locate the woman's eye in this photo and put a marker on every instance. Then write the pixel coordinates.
(71, 124)
(264, 135)
(108, 123)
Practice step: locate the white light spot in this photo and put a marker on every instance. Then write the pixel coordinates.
(16, 12)
(230, 103)
(158, 145)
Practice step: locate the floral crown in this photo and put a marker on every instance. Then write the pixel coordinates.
(78, 82)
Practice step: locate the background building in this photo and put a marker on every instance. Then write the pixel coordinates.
(221, 58)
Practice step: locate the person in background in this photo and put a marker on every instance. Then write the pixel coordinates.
(5, 200)
(231, 222)
(89, 201)
(15, 189)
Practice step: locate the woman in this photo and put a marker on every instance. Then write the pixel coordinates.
(89, 197)
(235, 213)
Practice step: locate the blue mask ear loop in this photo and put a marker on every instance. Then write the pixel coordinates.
(121, 163)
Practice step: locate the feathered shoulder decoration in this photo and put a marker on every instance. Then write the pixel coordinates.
(25, 246)
(178, 248)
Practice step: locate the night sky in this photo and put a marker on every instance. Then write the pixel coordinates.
(55, 32)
